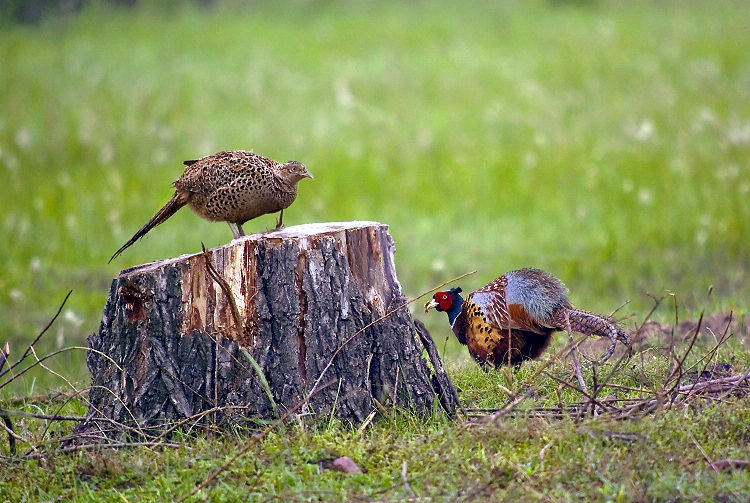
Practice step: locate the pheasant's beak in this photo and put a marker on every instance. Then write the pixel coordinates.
(307, 174)
(430, 305)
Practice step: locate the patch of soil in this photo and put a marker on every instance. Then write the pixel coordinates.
(717, 371)
(712, 326)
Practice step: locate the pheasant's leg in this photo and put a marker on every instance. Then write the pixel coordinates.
(237, 231)
(279, 225)
(234, 230)
(625, 339)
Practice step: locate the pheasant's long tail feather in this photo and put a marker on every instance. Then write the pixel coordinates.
(163, 214)
(587, 323)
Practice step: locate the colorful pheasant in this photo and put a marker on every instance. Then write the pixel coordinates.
(530, 304)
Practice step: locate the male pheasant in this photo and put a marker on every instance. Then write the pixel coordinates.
(232, 186)
(527, 304)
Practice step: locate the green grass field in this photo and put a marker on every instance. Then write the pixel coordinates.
(607, 142)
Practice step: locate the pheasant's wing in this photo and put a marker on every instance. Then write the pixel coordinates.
(207, 174)
(219, 201)
(193, 179)
(493, 307)
(493, 300)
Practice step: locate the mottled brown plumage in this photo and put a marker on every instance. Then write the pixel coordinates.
(232, 186)
(527, 304)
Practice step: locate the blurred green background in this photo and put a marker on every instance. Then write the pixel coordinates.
(607, 142)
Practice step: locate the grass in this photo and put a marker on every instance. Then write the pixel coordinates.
(606, 142)
(662, 456)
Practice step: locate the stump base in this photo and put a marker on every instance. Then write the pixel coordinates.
(309, 300)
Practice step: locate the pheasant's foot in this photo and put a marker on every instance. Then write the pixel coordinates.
(606, 356)
(280, 225)
(237, 231)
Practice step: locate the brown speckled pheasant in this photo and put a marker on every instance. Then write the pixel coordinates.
(234, 187)
(531, 304)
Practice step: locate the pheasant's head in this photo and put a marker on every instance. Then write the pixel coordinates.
(291, 172)
(449, 301)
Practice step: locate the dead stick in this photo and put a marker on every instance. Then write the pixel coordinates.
(705, 455)
(681, 362)
(8, 425)
(507, 408)
(574, 355)
(4, 353)
(84, 447)
(708, 356)
(28, 349)
(405, 481)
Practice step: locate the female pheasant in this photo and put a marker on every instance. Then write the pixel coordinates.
(232, 186)
(528, 305)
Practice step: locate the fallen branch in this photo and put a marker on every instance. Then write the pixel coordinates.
(44, 330)
(406, 481)
(622, 408)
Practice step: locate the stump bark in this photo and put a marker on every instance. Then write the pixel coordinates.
(321, 316)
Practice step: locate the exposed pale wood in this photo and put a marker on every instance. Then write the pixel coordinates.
(300, 293)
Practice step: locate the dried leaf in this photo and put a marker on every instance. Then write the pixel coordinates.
(728, 464)
(343, 464)
(346, 465)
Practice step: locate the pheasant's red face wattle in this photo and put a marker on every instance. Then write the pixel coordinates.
(444, 299)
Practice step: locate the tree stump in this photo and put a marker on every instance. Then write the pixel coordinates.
(322, 322)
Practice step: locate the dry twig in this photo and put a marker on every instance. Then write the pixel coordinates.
(405, 481)
(44, 330)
